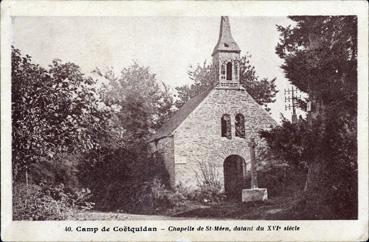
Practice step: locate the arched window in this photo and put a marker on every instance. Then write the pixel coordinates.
(229, 71)
(240, 126)
(226, 126)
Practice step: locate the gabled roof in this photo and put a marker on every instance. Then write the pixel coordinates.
(226, 42)
(169, 126)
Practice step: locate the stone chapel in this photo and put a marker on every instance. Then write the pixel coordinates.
(214, 127)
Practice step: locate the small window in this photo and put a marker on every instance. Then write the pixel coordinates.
(226, 45)
(226, 126)
(229, 71)
(240, 126)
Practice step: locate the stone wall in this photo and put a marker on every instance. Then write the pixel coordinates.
(222, 58)
(198, 138)
(165, 147)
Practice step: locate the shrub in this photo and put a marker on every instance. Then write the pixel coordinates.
(282, 180)
(143, 197)
(165, 198)
(46, 201)
(209, 193)
(33, 203)
(124, 179)
(209, 185)
(62, 168)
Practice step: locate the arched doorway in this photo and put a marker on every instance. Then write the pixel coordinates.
(234, 176)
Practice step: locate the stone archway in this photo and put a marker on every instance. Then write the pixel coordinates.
(234, 168)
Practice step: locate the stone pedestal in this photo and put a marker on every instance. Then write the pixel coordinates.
(254, 194)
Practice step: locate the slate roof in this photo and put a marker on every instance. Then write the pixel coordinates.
(168, 127)
(226, 43)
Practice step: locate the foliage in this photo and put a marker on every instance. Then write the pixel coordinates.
(165, 198)
(208, 194)
(320, 54)
(203, 77)
(282, 180)
(208, 174)
(287, 142)
(32, 204)
(320, 58)
(54, 110)
(46, 202)
(329, 154)
(149, 197)
(280, 177)
(63, 168)
(142, 102)
(74, 130)
(138, 171)
(209, 186)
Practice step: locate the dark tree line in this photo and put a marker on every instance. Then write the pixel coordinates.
(74, 130)
(320, 58)
(204, 77)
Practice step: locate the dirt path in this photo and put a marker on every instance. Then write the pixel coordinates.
(97, 215)
(270, 209)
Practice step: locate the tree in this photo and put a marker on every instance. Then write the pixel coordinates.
(123, 169)
(320, 53)
(204, 77)
(320, 58)
(69, 128)
(141, 102)
(54, 111)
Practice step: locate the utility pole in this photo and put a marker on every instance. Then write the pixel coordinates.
(290, 98)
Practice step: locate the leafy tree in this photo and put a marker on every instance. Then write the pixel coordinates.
(124, 165)
(54, 111)
(320, 58)
(320, 55)
(142, 102)
(203, 77)
(75, 130)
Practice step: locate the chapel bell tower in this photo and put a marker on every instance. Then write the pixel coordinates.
(226, 57)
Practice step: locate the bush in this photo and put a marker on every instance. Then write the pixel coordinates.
(46, 202)
(126, 180)
(163, 197)
(208, 193)
(209, 185)
(62, 168)
(282, 180)
(33, 203)
(149, 198)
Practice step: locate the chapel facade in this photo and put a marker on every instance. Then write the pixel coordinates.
(213, 129)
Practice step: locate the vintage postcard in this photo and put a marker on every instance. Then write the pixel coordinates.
(184, 121)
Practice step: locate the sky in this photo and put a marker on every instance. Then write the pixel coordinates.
(168, 45)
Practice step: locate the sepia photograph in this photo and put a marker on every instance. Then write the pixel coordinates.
(183, 118)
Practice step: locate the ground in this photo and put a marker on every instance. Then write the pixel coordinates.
(272, 209)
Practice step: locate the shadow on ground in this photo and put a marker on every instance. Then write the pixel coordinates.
(273, 209)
